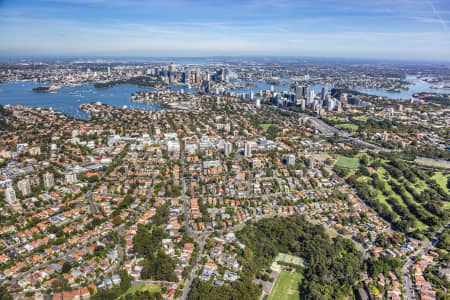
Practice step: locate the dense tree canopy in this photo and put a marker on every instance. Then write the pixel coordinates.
(333, 266)
(157, 265)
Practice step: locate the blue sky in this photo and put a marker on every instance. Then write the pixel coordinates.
(395, 29)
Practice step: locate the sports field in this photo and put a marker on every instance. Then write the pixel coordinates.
(287, 259)
(351, 127)
(144, 287)
(347, 162)
(286, 287)
(265, 126)
(337, 119)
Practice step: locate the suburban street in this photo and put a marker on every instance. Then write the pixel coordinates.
(426, 245)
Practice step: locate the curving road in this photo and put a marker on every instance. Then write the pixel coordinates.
(426, 245)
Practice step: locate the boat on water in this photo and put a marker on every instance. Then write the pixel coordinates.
(440, 87)
(53, 93)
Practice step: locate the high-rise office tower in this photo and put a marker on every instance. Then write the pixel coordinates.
(303, 104)
(10, 195)
(227, 148)
(311, 162)
(197, 76)
(71, 178)
(304, 91)
(172, 67)
(298, 90)
(343, 98)
(324, 94)
(11, 199)
(290, 159)
(49, 180)
(24, 186)
(248, 149)
(310, 98)
(331, 104)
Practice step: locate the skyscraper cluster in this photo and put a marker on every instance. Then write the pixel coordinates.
(306, 98)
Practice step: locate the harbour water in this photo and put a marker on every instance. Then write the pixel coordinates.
(68, 99)
(418, 86)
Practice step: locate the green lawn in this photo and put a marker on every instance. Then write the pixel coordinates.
(384, 174)
(420, 185)
(441, 179)
(347, 162)
(351, 127)
(361, 118)
(364, 179)
(265, 126)
(144, 287)
(286, 287)
(382, 198)
(337, 119)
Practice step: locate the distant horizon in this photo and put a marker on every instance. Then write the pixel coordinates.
(148, 59)
(404, 29)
